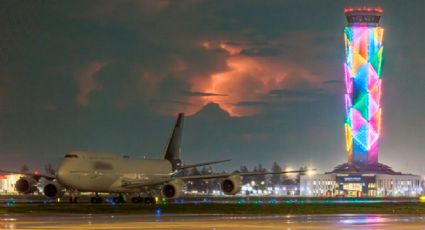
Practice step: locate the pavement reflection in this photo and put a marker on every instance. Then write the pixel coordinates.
(87, 221)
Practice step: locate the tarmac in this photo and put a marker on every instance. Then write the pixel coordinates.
(40, 199)
(222, 222)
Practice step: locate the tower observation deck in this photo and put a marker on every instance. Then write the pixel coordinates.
(363, 16)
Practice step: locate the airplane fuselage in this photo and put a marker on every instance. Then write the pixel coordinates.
(106, 172)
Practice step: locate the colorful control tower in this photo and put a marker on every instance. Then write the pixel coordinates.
(362, 175)
(363, 69)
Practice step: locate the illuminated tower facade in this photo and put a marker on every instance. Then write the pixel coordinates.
(363, 68)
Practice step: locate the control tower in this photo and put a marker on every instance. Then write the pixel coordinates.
(362, 175)
(363, 68)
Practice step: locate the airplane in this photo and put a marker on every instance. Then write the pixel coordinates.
(103, 172)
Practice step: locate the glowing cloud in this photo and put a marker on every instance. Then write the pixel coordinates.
(249, 79)
(86, 83)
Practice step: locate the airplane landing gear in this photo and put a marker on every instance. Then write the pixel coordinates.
(145, 200)
(96, 199)
(149, 200)
(119, 199)
(136, 200)
(73, 199)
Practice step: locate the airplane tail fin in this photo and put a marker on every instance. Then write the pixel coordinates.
(172, 149)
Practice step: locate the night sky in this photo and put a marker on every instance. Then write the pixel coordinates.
(260, 81)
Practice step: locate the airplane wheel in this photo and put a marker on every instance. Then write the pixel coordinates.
(118, 200)
(96, 200)
(149, 200)
(73, 200)
(136, 200)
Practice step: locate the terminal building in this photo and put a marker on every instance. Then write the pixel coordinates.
(7, 183)
(362, 175)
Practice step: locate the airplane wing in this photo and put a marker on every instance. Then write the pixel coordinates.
(35, 174)
(200, 164)
(224, 175)
(136, 183)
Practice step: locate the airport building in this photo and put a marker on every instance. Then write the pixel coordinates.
(362, 175)
(7, 183)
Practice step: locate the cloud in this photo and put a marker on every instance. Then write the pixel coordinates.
(251, 78)
(86, 82)
(251, 103)
(202, 94)
(221, 65)
(48, 107)
(232, 48)
(263, 52)
(332, 82)
(304, 94)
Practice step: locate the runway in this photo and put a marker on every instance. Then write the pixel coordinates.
(39, 199)
(222, 222)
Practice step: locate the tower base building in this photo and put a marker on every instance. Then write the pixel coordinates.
(362, 175)
(350, 181)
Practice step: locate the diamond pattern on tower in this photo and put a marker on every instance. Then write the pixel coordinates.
(362, 68)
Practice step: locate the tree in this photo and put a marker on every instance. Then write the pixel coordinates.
(205, 171)
(288, 178)
(49, 169)
(183, 172)
(194, 172)
(302, 168)
(206, 185)
(259, 178)
(244, 169)
(196, 183)
(245, 179)
(276, 178)
(24, 169)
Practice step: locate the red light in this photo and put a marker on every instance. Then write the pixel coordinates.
(348, 10)
(368, 9)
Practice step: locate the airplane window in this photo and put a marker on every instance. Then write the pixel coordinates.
(71, 156)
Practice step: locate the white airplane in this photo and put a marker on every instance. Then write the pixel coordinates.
(100, 172)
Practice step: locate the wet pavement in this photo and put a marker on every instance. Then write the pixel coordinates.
(158, 221)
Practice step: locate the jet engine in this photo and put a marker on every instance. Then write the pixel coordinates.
(26, 185)
(231, 185)
(53, 190)
(173, 189)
